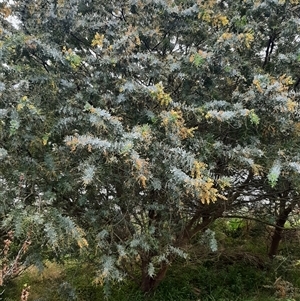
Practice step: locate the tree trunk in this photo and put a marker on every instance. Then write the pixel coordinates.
(276, 238)
(149, 284)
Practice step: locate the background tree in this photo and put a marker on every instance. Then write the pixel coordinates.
(131, 127)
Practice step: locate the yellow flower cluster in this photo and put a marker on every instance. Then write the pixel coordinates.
(291, 105)
(218, 20)
(98, 40)
(247, 38)
(5, 11)
(256, 83)
(225, 36)
(162, 97)
(26, 103)
(198, 166)
(293, 2)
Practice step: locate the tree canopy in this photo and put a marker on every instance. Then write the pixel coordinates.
(130, 126)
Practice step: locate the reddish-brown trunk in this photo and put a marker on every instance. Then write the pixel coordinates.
(149, 284)
(276, 238)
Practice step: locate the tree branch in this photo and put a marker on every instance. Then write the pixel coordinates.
(254, 219)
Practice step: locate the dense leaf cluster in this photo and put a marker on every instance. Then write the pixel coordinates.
(130, 126)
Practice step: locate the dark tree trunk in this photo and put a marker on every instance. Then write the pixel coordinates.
(149, 284)
(276, 238)
(198, 223)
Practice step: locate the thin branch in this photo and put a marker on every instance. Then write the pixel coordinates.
(254, 219)
(269, 50)
(40, 61)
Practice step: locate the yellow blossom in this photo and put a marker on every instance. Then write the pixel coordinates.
(225, 36)
(142, 179)
(291, 105)
(223, 20)
(98, 40)
(256, 83)
(249, 38)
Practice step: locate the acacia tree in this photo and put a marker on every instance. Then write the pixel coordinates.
(130, 126)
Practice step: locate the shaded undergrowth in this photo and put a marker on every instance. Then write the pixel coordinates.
(239, 271)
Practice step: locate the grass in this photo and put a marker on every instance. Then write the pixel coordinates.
(234, 274)
(206, 282)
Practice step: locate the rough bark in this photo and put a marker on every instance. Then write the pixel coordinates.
(148, 283)
(280, 222)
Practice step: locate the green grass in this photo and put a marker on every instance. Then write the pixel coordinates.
(235, 274)
(189, 282)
